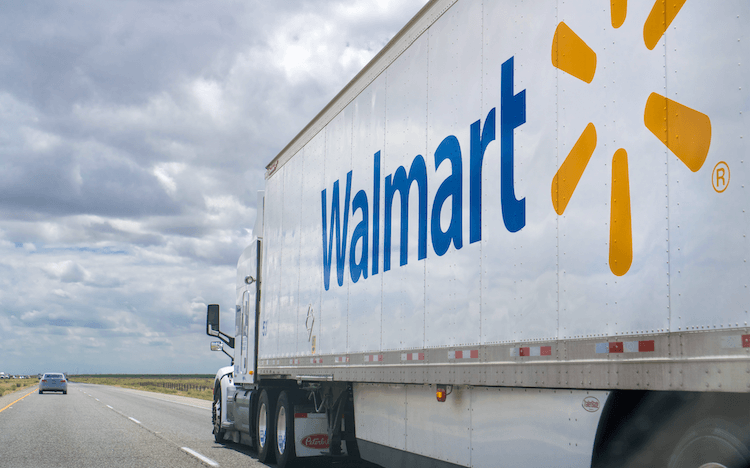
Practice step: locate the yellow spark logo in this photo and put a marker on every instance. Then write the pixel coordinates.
(685, 131)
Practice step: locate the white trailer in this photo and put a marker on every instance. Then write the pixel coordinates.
(518, 237)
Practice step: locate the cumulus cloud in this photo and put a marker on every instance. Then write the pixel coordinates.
(134, 137)
(67, 272)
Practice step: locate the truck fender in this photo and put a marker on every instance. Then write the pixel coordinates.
(222, 380)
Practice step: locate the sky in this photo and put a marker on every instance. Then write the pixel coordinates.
(134, 137)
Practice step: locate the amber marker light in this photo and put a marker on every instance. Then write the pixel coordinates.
(443, 391)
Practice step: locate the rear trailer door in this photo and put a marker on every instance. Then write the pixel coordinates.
(248, 284)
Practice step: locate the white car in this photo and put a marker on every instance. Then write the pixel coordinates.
(51, 382)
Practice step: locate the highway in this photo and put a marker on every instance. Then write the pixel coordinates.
(100, 426)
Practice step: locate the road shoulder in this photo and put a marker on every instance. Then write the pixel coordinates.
(182, 400)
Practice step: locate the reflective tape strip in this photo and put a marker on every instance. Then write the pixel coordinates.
(630, 347)
(728, 342)
(735, 341)
(524, 351)
(294, 361)
(373, 358)
(412, 356)
(341, 359)
(618, 347)
(316, 360)
(464, 354)
(646, 346)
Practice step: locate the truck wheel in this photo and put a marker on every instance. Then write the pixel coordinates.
(265, 427)
(711, 443)
(284, 446)
(216, 417)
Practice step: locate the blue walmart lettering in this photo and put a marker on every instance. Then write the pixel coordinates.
(401, 182)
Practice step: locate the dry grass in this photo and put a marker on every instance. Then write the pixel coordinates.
(11, 385)
(188, 385)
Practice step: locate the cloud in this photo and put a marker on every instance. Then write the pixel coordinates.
(134, 138)
(62, 293)
(67, 272)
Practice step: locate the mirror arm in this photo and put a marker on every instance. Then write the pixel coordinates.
(229, 340)
(230, 356)
(213, 312)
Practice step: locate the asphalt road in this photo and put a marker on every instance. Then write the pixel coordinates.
(100, 426)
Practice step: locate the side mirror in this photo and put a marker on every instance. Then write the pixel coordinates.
(212, 326)
(219, 346)
(212, 320)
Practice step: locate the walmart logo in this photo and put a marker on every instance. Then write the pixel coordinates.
(685, 131)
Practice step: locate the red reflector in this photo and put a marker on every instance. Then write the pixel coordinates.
(474, 353)
(524, 352)
(646, 346)
(615, 347)
(300, 415)
(746, 341)
(459, 354)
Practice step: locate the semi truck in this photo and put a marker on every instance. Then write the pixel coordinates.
(518, 237)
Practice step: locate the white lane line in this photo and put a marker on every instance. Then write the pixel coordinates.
(164, 399)
(134, 420)
(200, 457)
(109, 407)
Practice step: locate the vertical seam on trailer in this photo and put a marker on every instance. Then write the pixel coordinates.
(427, 149)
(481, 113)
(353, 251)
(281, 257)
(666, 161)
(472, 391)
(383, 156)
(557, 161)
(297, 350)
(320, 284)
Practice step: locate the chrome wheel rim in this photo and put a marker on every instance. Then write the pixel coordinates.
(217, 416)
(262, 425)
(281, 430)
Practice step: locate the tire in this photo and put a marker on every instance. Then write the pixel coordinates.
(265, 427)
(41, 392)
(284, 447)
(712, 443)
(216, 416)
(65, 393)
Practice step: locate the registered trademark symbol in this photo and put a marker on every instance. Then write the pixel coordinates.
(720, 176)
